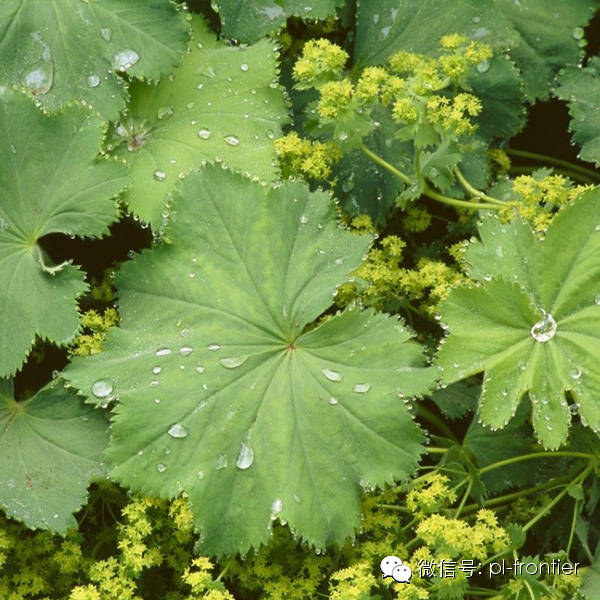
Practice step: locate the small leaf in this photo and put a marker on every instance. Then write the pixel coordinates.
(224, 392)
(221, 103)
(517, 535)
(50, 182)
(70, 50)
(533, 325)
(50, 448)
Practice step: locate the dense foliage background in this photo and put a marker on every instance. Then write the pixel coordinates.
(288, 287)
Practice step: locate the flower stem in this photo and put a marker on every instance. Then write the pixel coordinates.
(474, 191)
(510, 461)
(429, 192)
(551, 160)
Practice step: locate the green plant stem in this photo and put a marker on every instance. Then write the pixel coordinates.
(464, 499)
(434, 420)
(542, 513)
(434, 450)
(474, 191)
(551, 160)
(430, 193)
(510, 461)
(573, 524)
(517, 170)
(531, 594)
(516, 495)
(222, 573)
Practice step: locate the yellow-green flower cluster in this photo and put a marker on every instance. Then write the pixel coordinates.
(429, 283)
(416, 220)
(457, 539)
(540, 198)
(460, 54)
(429, 495)
(304, 158)
(97, 325)
(320, 61)
(352, 583)
(336, 97)
(454, 114)
(379, 276)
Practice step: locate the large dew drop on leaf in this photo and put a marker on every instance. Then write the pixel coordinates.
(222, 103)
(73, 50)
(50, 448)
(226, 394)
(50, 182)
(533, 325)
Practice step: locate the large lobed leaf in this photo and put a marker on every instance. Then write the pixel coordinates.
(50, 182)
(223, 102)
(248, 21)
(72, 50)
(224, 392)
(50, 448)
(542, 37)
(580, 88)
(533, 325)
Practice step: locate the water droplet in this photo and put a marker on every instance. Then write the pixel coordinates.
(156, 370)
(214, 347)
(125, 59)
(204, 134)
(332, 375)
(39, 80)
(161, 467)
(574, 408)
(303, 219)
(185, 350)
(276, 507)
(200, 369)
(106, 33)
(102, 388)
(221, 462)
(177, 430)
(362, 388)
(575, 373)
(93, 81)
(160, 175)
(297, 498)
(163, 352)
(200, 474)
(232, 140)
(164, 112)
(234, 361)
(333, 401)
(578, 33)
(544, 329)
(156, 400)
(245, 457)
(483, 66)
(244, 67)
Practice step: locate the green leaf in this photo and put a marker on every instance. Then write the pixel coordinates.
(541, 40)
(224, 392)
(50, 448)
(550, 36)
(493, 446)
(364, 187)
(458, 399)
(533, 324)
(71, 50)
(221, 103)
(591, 581)
(50, 182)
(579, 88)
(384, 28)
(248, 21)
